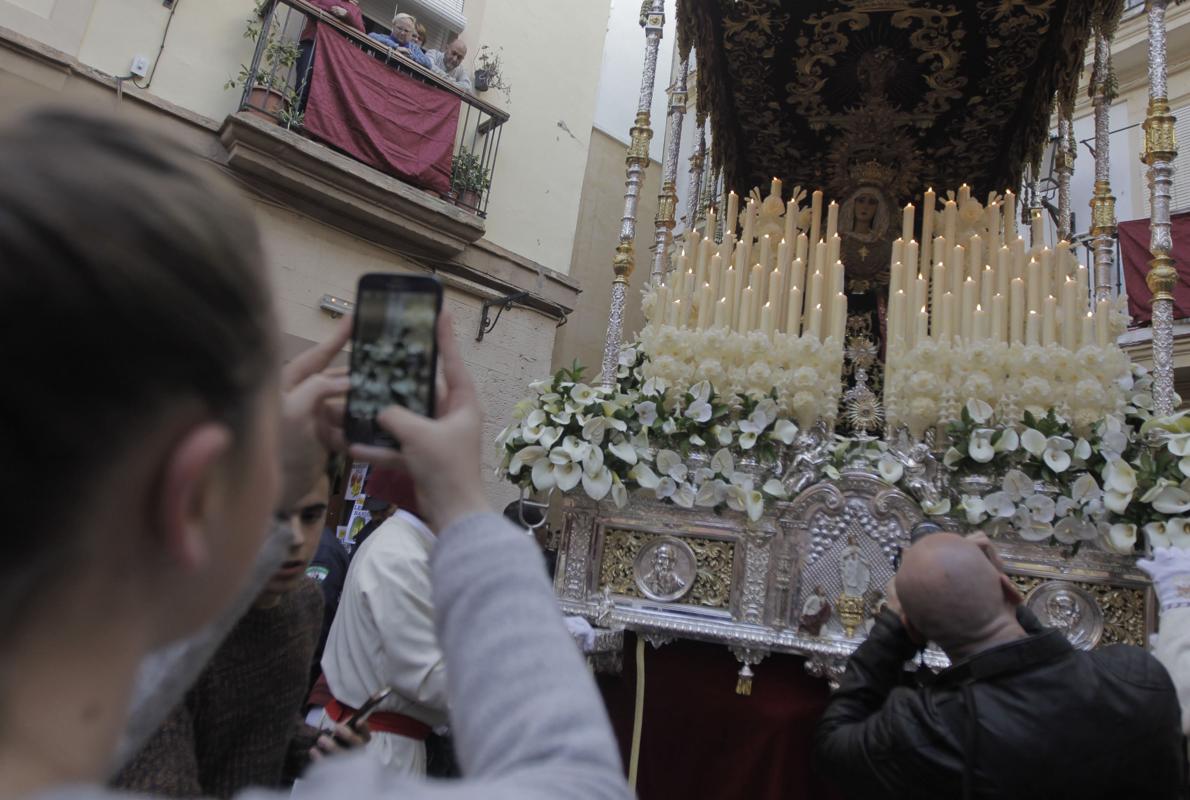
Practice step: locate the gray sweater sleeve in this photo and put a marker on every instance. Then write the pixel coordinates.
(526, 716)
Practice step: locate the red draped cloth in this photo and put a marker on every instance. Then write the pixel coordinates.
(387, 120)
(702, 741)
(1134, 249)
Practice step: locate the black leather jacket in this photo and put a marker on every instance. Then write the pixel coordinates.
(1033, 718)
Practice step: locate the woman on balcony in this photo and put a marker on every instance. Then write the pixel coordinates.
(403, 40)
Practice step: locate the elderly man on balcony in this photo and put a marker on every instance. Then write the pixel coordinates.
(449, 63)
(404, 31)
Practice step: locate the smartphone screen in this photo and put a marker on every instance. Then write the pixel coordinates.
(394, 352)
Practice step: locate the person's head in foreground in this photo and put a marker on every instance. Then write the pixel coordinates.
(404, 29)
(952, 593)
(149, 398)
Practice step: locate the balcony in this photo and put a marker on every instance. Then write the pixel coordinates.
(421, 146)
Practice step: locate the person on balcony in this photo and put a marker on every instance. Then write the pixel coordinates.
(420, 35)
(449, 63)
(403, 39)
(345, 11)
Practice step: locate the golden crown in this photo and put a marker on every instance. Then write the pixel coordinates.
(872, 173)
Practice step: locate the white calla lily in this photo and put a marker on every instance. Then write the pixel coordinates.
(747, 439)
(644, 476)
(1084, 489)
(684, 496)
(784, 431)
(1017, 485)
(1178, 444)
(1178, 529)
(669, 427)
(576, 448)
(567, 476)
(526, 456)
(1007, 442)
(1057, 453)
(701, 391)
(624, 451)
(774, 488)
(543, 475)
(711, 493)
(1184, 466)
(583, 394)
(598, 483)
(980, 445)
(1119, 476)
(593, 461)
(1172, 500)
(670, 463)
(1041, 508)
(666, 487)
(1121, 538)
(1117, 502)
(1073, 529)
(999, 505)
(952, 457)
(1082, 450)
(699, 411)
(1156, 535)
(890, 469)
(1033, 531)
(979, 410)
(1034, 442)
(619, 492)
(723, 434)
(594, 430)
(936, 508)
(722, 462)
(976, 509)
(646, 413)
(549, 435)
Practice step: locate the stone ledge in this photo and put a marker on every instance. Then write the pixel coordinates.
(339, 190)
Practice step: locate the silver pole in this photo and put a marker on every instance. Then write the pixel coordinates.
(667, 198)
(1103, 203)
(652, 19)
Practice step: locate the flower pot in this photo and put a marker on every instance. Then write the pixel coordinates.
(468, 199)
(266, 103)
(482, 80)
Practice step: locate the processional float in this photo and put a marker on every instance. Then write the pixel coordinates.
(820, 377)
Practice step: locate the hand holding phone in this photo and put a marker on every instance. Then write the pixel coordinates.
(394, 352)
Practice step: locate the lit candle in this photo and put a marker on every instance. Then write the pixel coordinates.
(731, 294)
(911, 261)
(701, 260)
(1087, 339)
(820, 261)
(1062, 261)
(896, 280)
(1080, 277)
(1009, 216)
(758, 283)
(776, 294)
(722, 314)
(766, 252)
(715, 275)
(1049, 322)
(1033, 285)
(950, 220)
(955, 272)
(793, 312)
(948, 318)
(832, 220)
(836, 284)
(923, 327)
(986, 287)
(1016, 312)
(975, 257)
(817, 290)
(940, 252)
(999, 319)
(675, 312)
(815, 217)
(791, 221)
(784, 257)
(1048, 282)
(1037, 230)
(744, 322)
(918, 298)
(898, 253)
(991, 220)
(816, 322)
(964, 193)
(712, 221)
(705, 312)
(1070, 309)
(727, 249)
(896, 319)
(1018, 257)
(802, 250)
(775, 187)
(929, 205)
(970, 298)
(907, 222)
(766, 319)
(661, 305)
(979, 324)
(834, 246)
(733, 211)
(748, 235)
(797, 275)
(839, 318)
(1032, 334)
(1102, 326)
(1003, 270)
(938, 288)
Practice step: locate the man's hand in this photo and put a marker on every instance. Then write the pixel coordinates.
(311, 395)
(443, 453)
(981, 540)
(339, 11)
(891, 601)
(340, 740)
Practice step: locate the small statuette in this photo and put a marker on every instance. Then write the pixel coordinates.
(664, 569)
(816, 610)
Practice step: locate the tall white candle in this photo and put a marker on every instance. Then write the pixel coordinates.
(938, 287)
(1017, 311)
(896, 279)
(766, 320)
(1003, 270)
(715, 275)
(950, 220)
(793, 311)
(975, 257)
(1102, 323)
(820, 263)
(955, 272)
(790, 221)
(733, 210)
(1009, 216)
(832, 219)
(744, 321)
(929, 205)
(979, 324)
(815, 218)
(816, 322)
(964, 193)
(675, 312)
(948, 318)
(987, 287)
(1032, 326)
(970, 298)
(833, 247)
(731, 294)
(1049, 322)
(722, 314)
(922, 331)
(918, 298)
(797, 275)
(999, 319)
(896, 319)
(766, 252)
(1033, 285)
(802, 250)
(907, 222)
(1048, 283)
(1087, 333)
(1070, 314)
(1037, 231)
(911, 261)
(839, 319)
(776, 294)
(705, 310)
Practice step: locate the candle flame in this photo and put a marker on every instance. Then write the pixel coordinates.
(979, 308)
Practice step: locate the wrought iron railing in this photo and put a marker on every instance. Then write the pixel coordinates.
(275, 84)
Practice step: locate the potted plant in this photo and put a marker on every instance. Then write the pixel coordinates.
(489, 71)
(271, 96)
(468, 179)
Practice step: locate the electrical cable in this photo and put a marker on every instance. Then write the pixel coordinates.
(164, 34)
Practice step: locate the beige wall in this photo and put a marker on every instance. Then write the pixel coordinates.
(308, 258)
(595, 242)
(552, 52)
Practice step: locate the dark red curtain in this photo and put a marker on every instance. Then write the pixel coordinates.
(1134, 249)
(387, 120)
(702, 741)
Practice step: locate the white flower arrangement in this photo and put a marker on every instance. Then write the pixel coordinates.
(924, 386)
(800, 373)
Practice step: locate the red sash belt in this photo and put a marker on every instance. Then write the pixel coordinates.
(382, 721)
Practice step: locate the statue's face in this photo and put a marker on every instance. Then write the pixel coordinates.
(663, 559)
(1063, 610)
(865, 208)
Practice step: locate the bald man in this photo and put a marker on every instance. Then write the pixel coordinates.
(1020, 713)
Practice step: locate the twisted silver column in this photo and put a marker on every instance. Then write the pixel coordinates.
(667, 198)
(1160, 151)
(652, 19)
(1103, 203)
(1064, 166)
(694, 194)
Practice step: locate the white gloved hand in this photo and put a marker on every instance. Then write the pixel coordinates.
(1170, 570)
(582, 632)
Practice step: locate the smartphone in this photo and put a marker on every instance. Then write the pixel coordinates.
(363, 712)
(394, 351)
